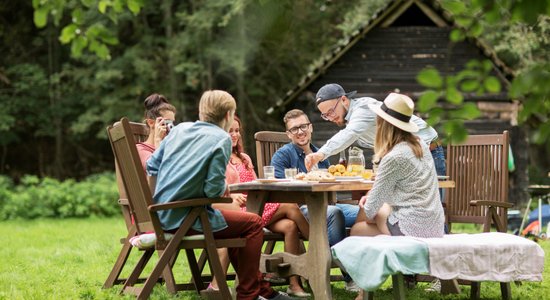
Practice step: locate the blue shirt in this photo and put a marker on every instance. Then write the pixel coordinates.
(190, 163)
(292, 156)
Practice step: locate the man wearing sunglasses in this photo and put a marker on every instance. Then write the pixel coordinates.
(360, 125)
(292, 155)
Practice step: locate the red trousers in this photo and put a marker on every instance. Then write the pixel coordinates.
(246, 260)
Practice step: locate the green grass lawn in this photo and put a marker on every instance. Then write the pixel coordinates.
(70, 259)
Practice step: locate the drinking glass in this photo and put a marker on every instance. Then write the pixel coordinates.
(290, 173)
(367, 174)
(269, 172)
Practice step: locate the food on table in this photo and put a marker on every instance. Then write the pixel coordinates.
(340, 170)
(315, 176)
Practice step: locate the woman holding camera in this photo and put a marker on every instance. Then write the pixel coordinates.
(159, 117)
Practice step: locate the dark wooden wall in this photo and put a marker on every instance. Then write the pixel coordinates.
(388, 60)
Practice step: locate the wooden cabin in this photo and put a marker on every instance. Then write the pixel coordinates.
(386, 55)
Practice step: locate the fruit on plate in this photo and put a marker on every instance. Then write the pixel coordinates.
(340, 170)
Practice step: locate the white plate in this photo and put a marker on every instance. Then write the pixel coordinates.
(348, 178)
(442, 177)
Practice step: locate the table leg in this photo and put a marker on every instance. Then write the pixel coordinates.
(318, 254)
(255, 202)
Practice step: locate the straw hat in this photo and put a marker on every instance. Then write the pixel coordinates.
(397, 109)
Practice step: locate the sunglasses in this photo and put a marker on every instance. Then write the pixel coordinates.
(330, 113)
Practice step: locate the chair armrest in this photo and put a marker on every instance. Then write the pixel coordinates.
(491, 203)
(188, 203)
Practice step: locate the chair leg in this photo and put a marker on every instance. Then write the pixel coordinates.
(398, 283)
(213, 258)
(196, 270)
(138, 269)
(167, 254)
(474, 290)
(119, 265)
(269, 246)
(168, 276)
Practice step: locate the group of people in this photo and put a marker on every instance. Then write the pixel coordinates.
(200, 159)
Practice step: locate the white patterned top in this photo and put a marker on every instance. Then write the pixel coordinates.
(409, 185)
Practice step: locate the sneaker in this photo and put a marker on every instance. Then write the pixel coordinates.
(352, 287)
(279, 296)
(435, 286)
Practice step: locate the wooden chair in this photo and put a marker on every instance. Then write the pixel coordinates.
(479, 167)
(146, 220)
(267, 143)
(140, 132)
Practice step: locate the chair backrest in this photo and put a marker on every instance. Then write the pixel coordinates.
(133, 177)
(267, 143)
(140, 132)
(479, 167)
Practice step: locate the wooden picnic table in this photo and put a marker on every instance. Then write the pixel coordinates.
(315, 264)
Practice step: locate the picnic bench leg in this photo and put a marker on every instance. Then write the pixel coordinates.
(505, 290)
(398, 283)
(474, 290)
(368, 295)
(318, 255)
(450, 287)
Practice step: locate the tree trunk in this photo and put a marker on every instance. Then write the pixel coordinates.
(172, 76)
(54, 96)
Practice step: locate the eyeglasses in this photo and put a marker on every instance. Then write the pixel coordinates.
(330, 113)
(304, 127)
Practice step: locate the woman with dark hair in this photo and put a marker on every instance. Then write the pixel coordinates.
(159, 116)
(285, 218)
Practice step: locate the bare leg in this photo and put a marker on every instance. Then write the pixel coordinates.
(292, 245)
(224, 259)
(292, 211)
(365, 227)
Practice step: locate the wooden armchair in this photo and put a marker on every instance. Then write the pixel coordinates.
(267, 143)
(479, 167)
(139, 131)
(145, 216)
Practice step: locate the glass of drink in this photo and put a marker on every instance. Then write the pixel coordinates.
(290, 173)
(269, 172)
(367, 174)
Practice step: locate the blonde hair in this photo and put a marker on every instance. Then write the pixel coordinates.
(388, 135)
(214, 105)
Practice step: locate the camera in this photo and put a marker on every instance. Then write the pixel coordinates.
(169, 125)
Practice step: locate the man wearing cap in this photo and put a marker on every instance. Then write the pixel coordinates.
(291, 155)
(360, 124)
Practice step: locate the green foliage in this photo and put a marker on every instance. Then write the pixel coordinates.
(88, 27)
(520, 33)
(447, 92)
(50, 198)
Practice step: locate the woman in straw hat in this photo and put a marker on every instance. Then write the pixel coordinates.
(404, 199)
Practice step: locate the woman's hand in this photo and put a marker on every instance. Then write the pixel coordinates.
(160, 131)
(238, 199)
(362, 202)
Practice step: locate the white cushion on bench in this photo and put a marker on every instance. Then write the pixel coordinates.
(491, 256)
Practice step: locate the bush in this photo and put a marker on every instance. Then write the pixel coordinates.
(49, 198)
